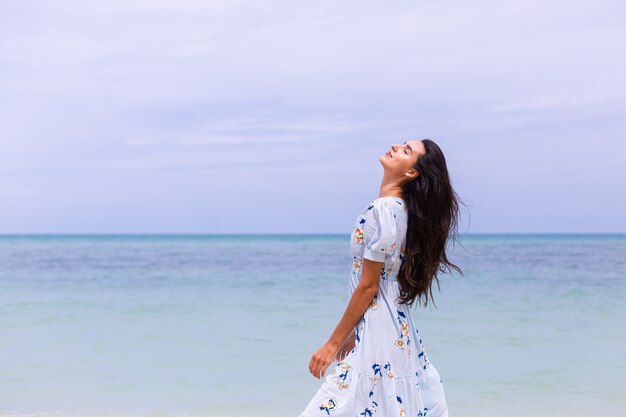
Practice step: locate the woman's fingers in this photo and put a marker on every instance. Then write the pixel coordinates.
(321, 359)
(321, 366)
(316, 370)
(315, 366)
(312, 365)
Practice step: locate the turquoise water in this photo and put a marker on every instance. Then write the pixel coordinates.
(195, 325)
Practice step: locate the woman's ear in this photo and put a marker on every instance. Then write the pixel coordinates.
(412, 174)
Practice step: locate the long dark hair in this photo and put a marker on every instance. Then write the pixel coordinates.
(433, 213)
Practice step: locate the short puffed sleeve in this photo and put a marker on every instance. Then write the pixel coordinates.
(380, 231)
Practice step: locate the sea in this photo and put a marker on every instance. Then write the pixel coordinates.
(225, 325)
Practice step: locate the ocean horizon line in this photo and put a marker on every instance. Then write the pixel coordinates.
(297, 234)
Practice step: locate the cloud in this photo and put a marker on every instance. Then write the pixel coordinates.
(135, 88)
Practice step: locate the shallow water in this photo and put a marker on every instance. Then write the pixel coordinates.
(222, 325)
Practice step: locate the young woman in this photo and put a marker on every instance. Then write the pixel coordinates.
(398, 246)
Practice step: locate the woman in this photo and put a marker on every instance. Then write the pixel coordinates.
(398, 246)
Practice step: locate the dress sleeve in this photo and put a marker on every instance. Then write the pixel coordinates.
(380, 231)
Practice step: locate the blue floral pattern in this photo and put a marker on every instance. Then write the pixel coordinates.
(381, 375)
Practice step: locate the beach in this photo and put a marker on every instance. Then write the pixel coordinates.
(216, 325)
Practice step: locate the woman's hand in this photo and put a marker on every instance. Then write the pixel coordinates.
(322, 358)
(346, 347)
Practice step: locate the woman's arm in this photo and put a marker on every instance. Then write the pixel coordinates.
(346, 347)
(360, 300)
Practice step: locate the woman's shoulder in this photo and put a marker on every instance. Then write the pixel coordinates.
(380, 207)
(383, 207)
(388, 201)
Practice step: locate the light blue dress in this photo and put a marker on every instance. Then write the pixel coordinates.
(388, 372)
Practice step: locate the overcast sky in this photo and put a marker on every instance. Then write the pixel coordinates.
(269, 116)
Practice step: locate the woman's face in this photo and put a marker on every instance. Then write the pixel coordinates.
(401, 158)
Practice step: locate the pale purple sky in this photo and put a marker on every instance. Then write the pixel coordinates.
(236, 116)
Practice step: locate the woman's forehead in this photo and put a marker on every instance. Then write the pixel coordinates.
(417, 146)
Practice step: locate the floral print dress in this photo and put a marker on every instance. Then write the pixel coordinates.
(388, 372)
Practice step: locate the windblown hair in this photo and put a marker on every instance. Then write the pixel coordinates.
(433, 213)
